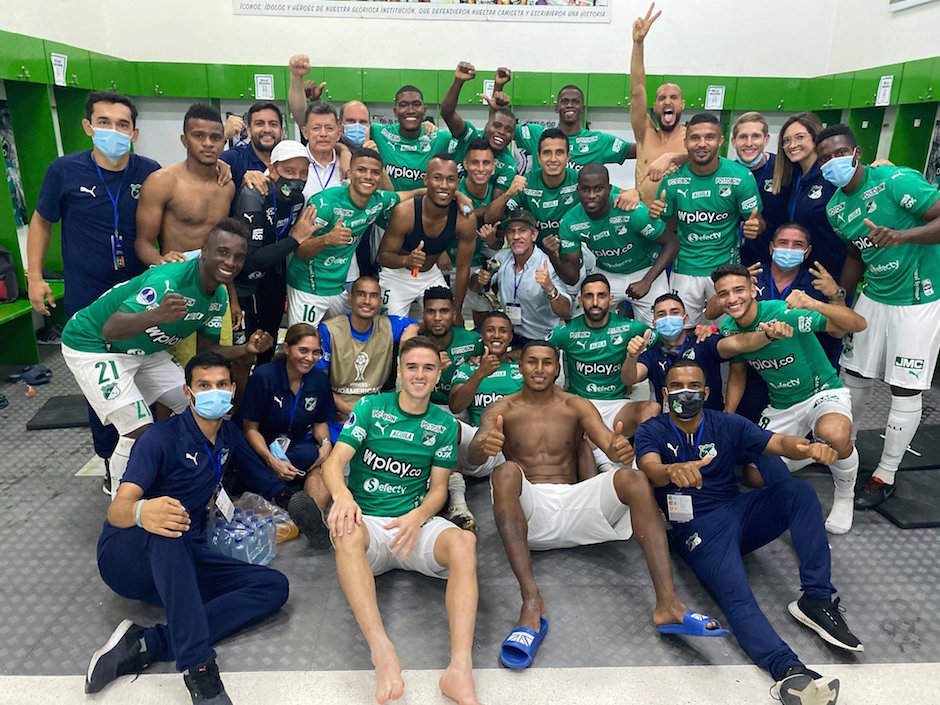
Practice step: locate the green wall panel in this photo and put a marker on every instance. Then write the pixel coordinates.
(424, 80)
(228, 81)
(23, 58)
(910, 143)
(108, 73)
(532, 88)
(342, 84)
(865, 85)
(380, 85)
(919, 81)
(611, 90)
(70, 108)
(866, 124)
(78, 66)
(181, 80)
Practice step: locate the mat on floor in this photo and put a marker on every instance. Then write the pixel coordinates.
(916, 501)
(70, 411)
(923, 453)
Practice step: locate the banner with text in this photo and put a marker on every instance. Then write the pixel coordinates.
(531, 11)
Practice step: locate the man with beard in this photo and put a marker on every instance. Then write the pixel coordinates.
(318, 271)
(265, 130)
(653, 138)
(632, 250)
(708, 197)
(418, 232)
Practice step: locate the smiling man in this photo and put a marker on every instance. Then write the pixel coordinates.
(265, 130)
(117, 348)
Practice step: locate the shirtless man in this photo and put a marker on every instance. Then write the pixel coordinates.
(418, 232)
(652, 140)
(543, 428)
(179, 205)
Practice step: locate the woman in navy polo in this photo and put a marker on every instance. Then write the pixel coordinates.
(286, 406)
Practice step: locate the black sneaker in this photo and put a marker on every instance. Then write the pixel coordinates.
(106, 485)
(205, 686)
(119, 656)
(801, 686)
(875, 493)
(305, 513)
(49, 335)
(825, 618)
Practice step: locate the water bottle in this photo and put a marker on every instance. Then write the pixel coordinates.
(214, 539)
(226, 540)
(271, 531)
(240, 549)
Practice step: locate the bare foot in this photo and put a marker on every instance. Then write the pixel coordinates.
(388, 681)
(673, 613)
(457, 684)
(531, 614)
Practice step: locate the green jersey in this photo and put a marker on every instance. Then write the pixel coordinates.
(505, 164)
(548, 205)
(478, 256)
(464, 344)
(794, 368)
(391, 471)
(895, 197)
(594, 356)
(143, 293)
(622, 241)
(504, 381)
(406, 158)
(325, 274)
(708, 211)
(587, 147)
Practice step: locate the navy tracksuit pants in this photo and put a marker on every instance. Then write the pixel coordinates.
(207, 596)
(714, 544)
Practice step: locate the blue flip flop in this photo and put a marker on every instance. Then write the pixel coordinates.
(694, 624)
(519, 648)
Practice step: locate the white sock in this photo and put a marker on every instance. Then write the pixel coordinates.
(903, 421)
(457, 487)
(844, 474)
(860, 388)
(794, 465)
(118, 462)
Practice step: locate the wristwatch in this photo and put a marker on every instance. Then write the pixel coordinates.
(554, 294)
(840, 294)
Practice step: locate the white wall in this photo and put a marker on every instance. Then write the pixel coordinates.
(723, 37)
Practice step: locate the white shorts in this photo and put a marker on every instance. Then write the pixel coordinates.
(467, 432)
(800, 419)
(121, 388)
(608, 409)
(694, 292)
(562, 516)
(642, 308)
(400, 289)
(900, 344)
(421, 560)
(310, 308)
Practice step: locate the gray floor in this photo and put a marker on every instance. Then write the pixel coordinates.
(55, 610)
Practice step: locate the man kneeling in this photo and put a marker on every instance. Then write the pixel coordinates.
(401, 452)
(540, 503)
(153, 545)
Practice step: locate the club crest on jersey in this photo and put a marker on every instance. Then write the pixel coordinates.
(111, 391)
(147, 296)
(428, 438)
(310, 403)
(815, 192)
(135, 191)
(768, 185)
(871, 206)
(724, 191)
(707, 450)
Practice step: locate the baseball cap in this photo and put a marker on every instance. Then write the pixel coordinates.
(289, 149)
(520, 215)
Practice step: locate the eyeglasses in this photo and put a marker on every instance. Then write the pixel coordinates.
(799, 138)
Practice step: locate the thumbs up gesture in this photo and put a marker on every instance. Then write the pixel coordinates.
(881, 236)
(494, 438)
(489, 363)
(752, 226)
(620, 450)
(688, 474)
(543, 278)
(638, 343)
(658, 206)
(340, 235)
(416, 258)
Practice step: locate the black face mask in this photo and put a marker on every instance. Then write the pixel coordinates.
(686, 403)
(290, 190)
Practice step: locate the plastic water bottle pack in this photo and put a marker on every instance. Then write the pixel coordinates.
(247, 537)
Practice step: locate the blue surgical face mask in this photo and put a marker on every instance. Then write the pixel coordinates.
(840, 170)
(111, 143)
(213, 403)
(670, 326)
(751, 164)
(787, 259)
(355, 134)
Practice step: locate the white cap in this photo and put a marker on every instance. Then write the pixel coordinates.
(289, 149)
